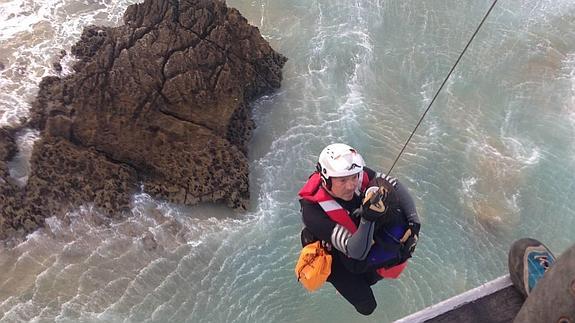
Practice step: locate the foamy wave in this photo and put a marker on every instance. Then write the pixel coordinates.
(361, 75)
(19, 167)
(524, 153)
(492, 195)
(32, 38)
(326, 62)
(467, 184)
(569, 106)
(90, 267)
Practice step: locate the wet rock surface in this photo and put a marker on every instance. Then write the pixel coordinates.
(160, 104)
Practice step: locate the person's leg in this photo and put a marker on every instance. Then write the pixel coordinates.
(372, 277)
(354, 288)
(528, 260)
(553, 298)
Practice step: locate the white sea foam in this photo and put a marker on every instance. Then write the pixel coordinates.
(32, 38)
(526, 154)
(499, 167)
(354, 100)
(569, 105)
(467, 184)
(19, 167)
(110, 266)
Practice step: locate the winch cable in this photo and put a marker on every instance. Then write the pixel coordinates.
(442, 84)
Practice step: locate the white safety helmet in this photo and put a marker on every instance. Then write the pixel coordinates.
(338, 160)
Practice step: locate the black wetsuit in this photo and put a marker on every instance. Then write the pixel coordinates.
(352, 278)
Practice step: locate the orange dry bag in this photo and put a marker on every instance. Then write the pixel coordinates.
(313, 266)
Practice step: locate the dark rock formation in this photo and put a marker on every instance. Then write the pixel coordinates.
(160, 103)
(7, 151)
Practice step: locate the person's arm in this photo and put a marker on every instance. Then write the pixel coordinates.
(355, 245)
(406, 202)
(407, 205)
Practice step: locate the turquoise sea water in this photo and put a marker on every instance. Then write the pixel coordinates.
(492, 161)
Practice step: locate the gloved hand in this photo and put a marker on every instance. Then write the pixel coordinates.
(373, 206)
(410, 239)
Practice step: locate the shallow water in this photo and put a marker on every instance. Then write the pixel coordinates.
(490, 163)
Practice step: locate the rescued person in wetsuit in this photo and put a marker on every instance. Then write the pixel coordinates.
(367, 221)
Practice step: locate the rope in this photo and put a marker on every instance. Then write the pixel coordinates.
(442, 84)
